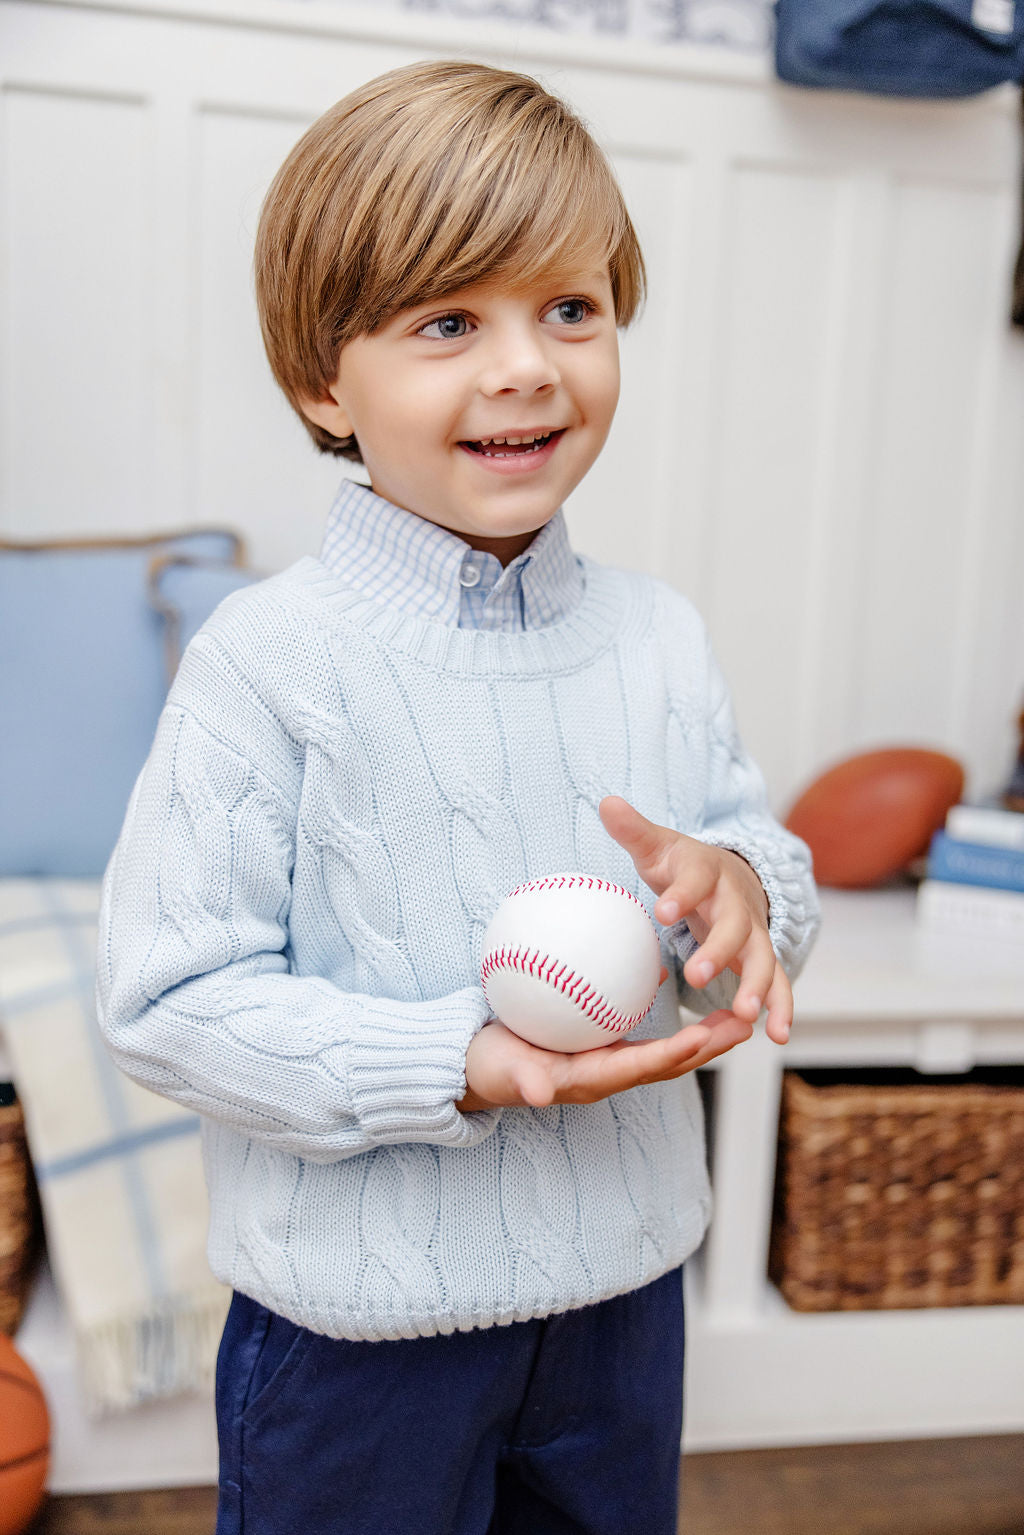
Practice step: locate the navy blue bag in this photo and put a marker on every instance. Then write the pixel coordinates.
(930, 48)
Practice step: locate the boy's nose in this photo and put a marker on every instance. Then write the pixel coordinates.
(518, 363)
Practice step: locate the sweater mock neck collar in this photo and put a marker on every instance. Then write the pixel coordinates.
(412, 566)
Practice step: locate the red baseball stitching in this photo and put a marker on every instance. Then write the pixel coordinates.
(589, 1001)
(568, 881)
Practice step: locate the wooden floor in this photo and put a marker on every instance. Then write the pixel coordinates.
(927, 1487)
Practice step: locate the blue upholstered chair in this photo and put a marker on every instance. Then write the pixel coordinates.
(90, 633)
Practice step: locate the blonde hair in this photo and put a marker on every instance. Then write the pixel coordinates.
(428, 179)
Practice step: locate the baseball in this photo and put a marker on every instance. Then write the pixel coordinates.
(570, 962)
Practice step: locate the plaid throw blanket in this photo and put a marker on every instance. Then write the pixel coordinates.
(119, 1169)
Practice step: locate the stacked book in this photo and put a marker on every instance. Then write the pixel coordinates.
(973, 891)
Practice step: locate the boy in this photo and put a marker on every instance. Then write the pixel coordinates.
(455, 1257)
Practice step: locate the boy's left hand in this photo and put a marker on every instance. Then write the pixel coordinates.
(725, 908)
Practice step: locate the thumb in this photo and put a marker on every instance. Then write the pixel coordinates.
(642, 839)
(535, 1086)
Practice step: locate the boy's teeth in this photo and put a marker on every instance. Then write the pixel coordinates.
(492, 447)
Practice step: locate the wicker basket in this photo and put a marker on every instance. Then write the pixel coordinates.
(896, 1194)
(20, 1223)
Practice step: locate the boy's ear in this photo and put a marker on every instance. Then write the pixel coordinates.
(329, 414)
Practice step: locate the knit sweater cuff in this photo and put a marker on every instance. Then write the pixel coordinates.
(399, 1094)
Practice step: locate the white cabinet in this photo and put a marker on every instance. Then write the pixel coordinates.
(761, 1374)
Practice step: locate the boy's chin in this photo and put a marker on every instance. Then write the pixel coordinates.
(504, 538)
(513, 527)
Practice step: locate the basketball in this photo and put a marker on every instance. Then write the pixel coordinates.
(24, 1441)
(867, 818)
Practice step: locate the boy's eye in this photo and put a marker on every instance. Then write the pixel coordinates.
(570, 311)
(450, 327)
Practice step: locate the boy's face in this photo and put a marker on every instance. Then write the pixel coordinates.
(483, 411)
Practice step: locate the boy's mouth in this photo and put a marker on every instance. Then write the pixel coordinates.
(514, 445)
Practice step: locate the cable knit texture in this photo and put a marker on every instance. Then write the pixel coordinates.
(338, 797)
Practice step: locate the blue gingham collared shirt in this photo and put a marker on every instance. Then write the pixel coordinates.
(397, 558)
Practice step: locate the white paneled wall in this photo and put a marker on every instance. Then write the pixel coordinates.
(78, 246)
(820, 431)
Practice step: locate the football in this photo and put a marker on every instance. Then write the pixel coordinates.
(867, 818)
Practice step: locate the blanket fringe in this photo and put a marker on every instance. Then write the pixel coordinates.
(172, 1348)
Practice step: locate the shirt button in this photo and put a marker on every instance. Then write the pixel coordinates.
(469, 575)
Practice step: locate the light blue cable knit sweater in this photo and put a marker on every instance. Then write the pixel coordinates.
(338, 797)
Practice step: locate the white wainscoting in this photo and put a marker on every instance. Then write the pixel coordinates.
(819, 437)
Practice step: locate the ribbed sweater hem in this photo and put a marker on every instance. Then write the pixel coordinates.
(365, 1326)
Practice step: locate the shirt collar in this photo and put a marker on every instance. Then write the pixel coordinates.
(401, 560)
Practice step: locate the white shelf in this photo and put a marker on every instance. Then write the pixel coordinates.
(870, 964)
(759, 1373)
(778, 1377)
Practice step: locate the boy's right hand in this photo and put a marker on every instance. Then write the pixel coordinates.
(502, 1069)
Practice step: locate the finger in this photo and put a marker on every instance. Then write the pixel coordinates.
(726, 1032)
(678, 901)
(691, 875)
(628, 1063)
(643, 840)
(594, 1074)
(757, 968)
(779, 1000)
(727, 938)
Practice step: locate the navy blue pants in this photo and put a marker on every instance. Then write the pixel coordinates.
(565, 1426)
